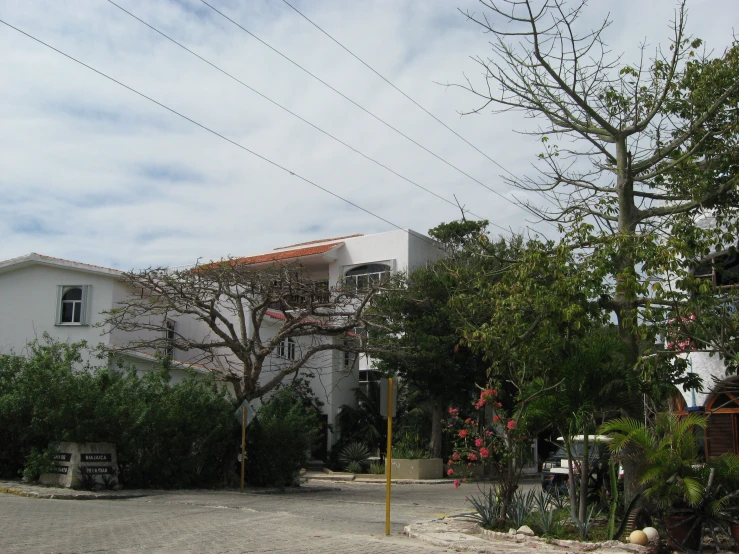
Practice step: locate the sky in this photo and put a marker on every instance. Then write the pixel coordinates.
(92, 172)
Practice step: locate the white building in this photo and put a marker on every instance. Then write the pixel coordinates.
(41, 294)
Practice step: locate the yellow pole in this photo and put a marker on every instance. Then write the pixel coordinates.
(243, 445)
(389, 456)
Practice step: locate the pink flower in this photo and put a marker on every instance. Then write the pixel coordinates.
(463, 433)
(456, 484)
(468, 420)
(455, 456)
(496, 419)
(511, 424)
(449, 471)
(472, 456)
(484, 452)
(453, 411)
(488, 433)
(479, 404)
(478, 443)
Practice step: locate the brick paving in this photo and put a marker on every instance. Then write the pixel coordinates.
(346, 520)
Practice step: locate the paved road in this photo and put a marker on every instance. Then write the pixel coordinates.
(348, 520)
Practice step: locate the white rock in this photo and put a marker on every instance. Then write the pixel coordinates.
(651, 533)
(511, 531)
(525, 530)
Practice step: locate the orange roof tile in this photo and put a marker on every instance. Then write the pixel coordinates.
(321, 240)
(287, 254)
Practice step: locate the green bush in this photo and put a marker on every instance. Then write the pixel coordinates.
(280, 438)
(166, 435)
(377, 468)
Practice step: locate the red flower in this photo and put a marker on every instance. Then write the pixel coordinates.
(488, 433)
(496, 419)
(455, 456)
(468, 420)
(484, 452)
(456, 484)
(453, 411)
(463, 433)
(511, 424)
(478, 443)
(449, 471)
(472, 456)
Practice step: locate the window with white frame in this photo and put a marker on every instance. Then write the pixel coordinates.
(364, 276)
(286, 349)
(73, 304)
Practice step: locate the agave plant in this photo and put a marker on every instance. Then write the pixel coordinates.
(487, 509)
(356, 453)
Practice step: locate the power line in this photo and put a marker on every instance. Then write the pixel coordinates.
(296, 64)
(271, 162)
(242, 83)
(373, 70)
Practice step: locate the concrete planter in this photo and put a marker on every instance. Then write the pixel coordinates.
(417, 468)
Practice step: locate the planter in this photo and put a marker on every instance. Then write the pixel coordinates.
(430, 468)
(683, 531)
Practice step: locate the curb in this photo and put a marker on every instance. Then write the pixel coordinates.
(60, 495)
(459, 535)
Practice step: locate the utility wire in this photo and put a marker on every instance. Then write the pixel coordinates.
(296, 64)
(373, 70)
(236, 79)
(252, 152)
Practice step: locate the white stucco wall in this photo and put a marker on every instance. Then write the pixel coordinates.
(707, 367)
(28, 298)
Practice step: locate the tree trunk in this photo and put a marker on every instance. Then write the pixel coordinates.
(437, 417)
(584, 478)
(624, 305)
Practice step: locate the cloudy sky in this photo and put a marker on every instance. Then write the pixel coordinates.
(92, 172)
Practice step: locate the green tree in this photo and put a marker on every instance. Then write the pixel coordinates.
(416, 333)
(593, 383)
(642, 151)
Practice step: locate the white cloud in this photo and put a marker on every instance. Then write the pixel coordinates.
(92, 172)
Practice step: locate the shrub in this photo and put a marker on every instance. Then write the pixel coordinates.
(377, 468)
(280, 438)
(354, 467)
(166, 435)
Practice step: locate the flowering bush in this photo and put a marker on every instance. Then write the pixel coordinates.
(496, 441)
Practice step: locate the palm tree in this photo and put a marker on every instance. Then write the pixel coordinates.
(592, 382)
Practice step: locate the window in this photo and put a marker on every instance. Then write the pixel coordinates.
(169, 336)
(362, 277)
(286, 349)
(721, 269)
(73, 304)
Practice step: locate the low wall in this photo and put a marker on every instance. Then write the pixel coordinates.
(417, 468)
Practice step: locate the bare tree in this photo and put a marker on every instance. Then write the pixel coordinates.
(234, 317)
(642, 148)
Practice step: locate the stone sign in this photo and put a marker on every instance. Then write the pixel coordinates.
(97, 458)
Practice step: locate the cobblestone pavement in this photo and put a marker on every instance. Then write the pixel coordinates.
(348, 519)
